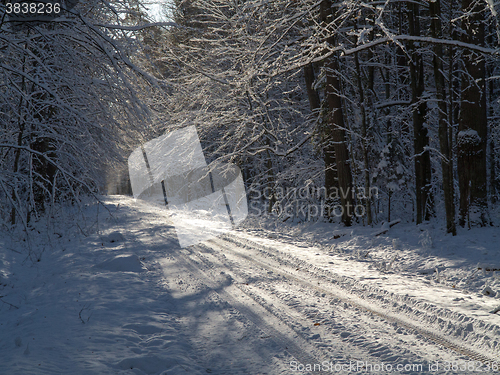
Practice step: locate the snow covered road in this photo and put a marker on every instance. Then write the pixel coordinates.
(322, 320)
(304, 315)
(134, 302)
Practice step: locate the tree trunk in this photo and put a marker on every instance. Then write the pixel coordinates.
(472, 126)
(336, 126)
(493, 174)
(43, 173)
(423, 193)
(312, 94)
(16, 166)
(364, 142)
(446, 158)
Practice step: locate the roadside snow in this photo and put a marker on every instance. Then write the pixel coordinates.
(89, 306)
(421, 261)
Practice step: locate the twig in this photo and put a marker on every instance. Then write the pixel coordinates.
(494, 311)
(81, 230)
(389, 266)
(383, 231)
(10, 304)
(85, 307)
(11, 249)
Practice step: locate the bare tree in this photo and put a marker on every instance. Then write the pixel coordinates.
(473, 125)
(443, 118)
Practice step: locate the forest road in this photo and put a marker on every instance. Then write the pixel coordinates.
(255, 309)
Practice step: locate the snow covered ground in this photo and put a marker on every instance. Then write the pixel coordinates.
(112, 292)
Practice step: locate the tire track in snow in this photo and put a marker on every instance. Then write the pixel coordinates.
(416, 310)
(299, 321)
(276, 330)
(333, 287)
(372, 347)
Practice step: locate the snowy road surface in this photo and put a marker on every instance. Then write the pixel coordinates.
(130, 301)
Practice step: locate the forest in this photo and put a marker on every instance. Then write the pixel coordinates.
(338, 99)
